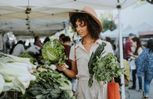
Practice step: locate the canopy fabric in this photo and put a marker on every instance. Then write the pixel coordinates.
(46, 16)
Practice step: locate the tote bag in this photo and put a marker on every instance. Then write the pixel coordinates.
(113, 90)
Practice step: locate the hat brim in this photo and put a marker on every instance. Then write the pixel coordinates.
(94, 18)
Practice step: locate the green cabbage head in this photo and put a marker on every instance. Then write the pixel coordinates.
(53, 51)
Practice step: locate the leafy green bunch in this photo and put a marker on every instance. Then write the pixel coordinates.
(106, 68)
(53, 51)
(29, 55)
(103, 68)
(49, 85)
(93, 60)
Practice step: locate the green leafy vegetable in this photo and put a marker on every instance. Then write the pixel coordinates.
(49, 85)
(103, 68)
(29, 55)
(106, 68)
(53, 51)
(92, 61)
(15, 72)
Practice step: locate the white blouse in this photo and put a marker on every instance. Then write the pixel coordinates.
(82, 56)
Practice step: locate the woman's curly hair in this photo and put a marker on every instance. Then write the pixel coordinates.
(92, 26)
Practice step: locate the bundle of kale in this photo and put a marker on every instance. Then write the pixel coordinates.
(49, 84)
(103, 68)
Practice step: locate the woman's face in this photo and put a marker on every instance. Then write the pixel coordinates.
(81, 29)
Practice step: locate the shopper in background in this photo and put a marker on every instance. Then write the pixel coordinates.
(128, 46)
(61, 38)
(137, 50)
(145, 66)
(37, 41)
(87, 25)
(18, 48)
(47, 39)
(66, 42)
(67, 46)
(108, 39)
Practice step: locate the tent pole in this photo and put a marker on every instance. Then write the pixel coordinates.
(121, 55)
(65, 27)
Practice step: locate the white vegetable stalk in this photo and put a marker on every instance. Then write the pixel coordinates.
(1, 83)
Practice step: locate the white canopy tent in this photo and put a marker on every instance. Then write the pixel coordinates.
(112, 34)
(46, 16)
(144, 27)
(127, 30)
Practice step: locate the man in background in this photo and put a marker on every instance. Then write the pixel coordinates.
(127, 46)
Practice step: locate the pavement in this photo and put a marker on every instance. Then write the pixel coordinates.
(135, 94)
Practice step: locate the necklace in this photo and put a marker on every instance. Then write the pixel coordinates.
(88, 42)
(87, 45)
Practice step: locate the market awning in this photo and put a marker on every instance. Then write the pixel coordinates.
(46, 16)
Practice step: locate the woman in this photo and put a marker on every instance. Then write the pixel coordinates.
(145, 66)
(88, 27)
(137, 50)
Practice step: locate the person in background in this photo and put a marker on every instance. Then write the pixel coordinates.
(144, 64)
(128, 46)
(35, 47)
(61, 38)
(12, 48)
(28, 45)
(137, 50)
(128, 52)
(66, 42)
(37, 41)
(108, 39)
(18, 48)
(46, 40)
(67, 45)
(88, 26)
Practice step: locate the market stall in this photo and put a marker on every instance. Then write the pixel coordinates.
(46, 17)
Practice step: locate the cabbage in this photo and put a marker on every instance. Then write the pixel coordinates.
(53, 51)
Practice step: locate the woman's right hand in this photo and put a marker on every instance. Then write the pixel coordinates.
(61, 67)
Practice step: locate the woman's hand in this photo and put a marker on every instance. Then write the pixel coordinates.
(61, 67)
(71, 73)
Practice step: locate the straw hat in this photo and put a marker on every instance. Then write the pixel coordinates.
(90, 12)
